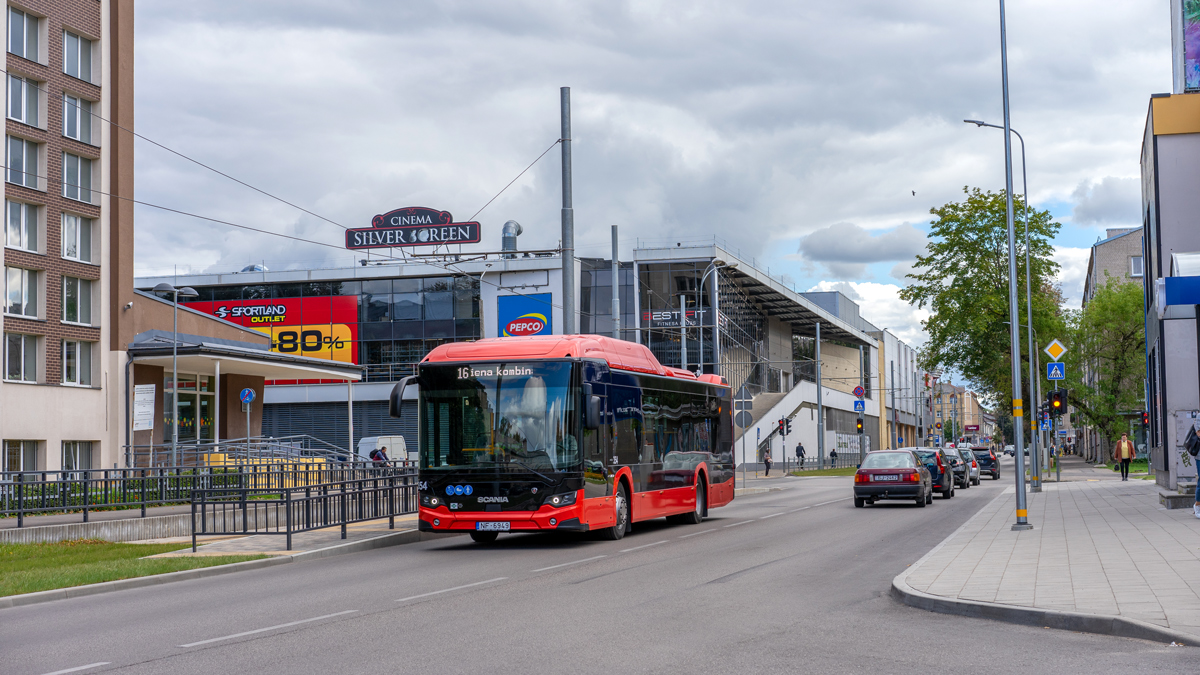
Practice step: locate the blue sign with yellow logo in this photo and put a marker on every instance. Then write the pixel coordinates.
(522, 315)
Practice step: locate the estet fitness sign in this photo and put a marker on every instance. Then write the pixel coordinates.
(412, 226)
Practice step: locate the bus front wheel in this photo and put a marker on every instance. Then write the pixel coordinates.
(620, 527)
(697, 514)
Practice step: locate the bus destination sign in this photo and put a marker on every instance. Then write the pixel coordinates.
(412, 226)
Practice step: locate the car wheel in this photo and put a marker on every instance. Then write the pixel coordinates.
(619, 528)
(948, 492)
(859, 502)
(484, 537)
(975, 481)
(921, 501)
(996, 476)
(929, 495)
(697, 515)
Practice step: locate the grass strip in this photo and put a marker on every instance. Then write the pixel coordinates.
(848, 471)
(28, 568)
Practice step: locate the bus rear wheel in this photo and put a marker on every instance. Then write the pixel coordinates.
(620, 527)
(484, 537)
(697, 514)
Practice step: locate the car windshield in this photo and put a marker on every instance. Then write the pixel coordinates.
(888, 460)
(928, 456)
(983, 454)
(503, 416)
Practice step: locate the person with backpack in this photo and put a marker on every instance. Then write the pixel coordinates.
(379, 457)
(800, 454)
(833, 459)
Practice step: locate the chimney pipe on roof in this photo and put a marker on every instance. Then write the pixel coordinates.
(508, 237)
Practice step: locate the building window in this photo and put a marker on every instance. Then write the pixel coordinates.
(23, 100)
(20, 292)
(77, 178)
(22, 34)
(76, 455)
(77, 363)
(20, 357)
(76, 238)
(19, 456)
(1135, 266)
(22, 162)
(21, 230)
(77, 300)
(77, 118)
(77, 56)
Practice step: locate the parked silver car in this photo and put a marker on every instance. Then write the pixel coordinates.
(972, 464)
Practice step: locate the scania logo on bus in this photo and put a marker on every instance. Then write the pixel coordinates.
(527, 324)
(493, 500)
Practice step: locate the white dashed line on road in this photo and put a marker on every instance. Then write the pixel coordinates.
(574, 562)
(76, 669)
(259, 630)
(741, 523)
(638, 548)
(772, 515)
(696, 534)
(447, 590)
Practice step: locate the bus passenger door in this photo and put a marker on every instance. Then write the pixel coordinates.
(596, 444)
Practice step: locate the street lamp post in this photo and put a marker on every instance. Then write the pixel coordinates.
(1034, 455)
(188, 292)
(712, 267)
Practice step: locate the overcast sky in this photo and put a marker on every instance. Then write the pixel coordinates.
(796, 132)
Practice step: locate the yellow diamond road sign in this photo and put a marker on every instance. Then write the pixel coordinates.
(1055, 349)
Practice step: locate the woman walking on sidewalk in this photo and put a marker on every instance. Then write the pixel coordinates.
(1124, 454)
(767, 461)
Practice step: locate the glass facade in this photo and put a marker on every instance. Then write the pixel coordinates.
(398, 320)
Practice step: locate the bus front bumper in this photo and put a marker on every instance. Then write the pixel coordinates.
(441, 519)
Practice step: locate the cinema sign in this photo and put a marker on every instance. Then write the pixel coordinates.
(412, 226)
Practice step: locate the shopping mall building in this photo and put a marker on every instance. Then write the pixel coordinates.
(386, 313)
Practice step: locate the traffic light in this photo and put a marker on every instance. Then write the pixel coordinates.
(787, 427)
(781, 427)
(1145, 419)
(860, 428)
(1058, 402)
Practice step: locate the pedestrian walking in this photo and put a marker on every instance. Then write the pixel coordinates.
(800, 454)
(1124, 454)
(767, 462)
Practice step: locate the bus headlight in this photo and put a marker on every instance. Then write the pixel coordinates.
(430, 501)
(565, 499)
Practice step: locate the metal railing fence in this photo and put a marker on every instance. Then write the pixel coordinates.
(234, 451)
(25, 493)
(295, 510)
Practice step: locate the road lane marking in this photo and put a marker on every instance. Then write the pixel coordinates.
(772, 515)
(575, 562)
(741, 523)
(263, 630)
(832, 501)
(638, 548)
(79, 668)
(456, 588)
(696, 534)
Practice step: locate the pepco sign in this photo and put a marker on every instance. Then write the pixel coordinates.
(529, 324)
(523, 315)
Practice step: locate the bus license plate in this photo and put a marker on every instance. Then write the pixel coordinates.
(879, 477)
(491, 526)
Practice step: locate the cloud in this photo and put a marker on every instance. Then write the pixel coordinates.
(845, 249)
(1109, 201)
(881, 305)
(1072, 273)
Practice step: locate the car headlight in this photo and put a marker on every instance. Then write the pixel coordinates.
(430, 501)
(565, 499)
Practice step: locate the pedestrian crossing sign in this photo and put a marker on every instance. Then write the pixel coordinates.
(1056, 371)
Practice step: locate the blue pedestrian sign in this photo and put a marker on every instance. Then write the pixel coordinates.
(247, 395)
(860, 406)
(1056, 371)
(1046, 425)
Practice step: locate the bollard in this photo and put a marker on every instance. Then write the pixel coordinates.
(288, 515)
(193, 522)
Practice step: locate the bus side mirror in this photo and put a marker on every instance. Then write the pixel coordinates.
(593, 414)
(397, 396)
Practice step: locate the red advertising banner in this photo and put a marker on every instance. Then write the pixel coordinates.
(321, 328)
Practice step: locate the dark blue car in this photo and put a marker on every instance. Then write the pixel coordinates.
(988, 462)
(941, 471)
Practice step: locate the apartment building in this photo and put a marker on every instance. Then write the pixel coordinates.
(68, 240)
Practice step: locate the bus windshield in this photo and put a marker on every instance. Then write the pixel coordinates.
(515, 417)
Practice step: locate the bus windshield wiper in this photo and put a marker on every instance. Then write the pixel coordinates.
(532, 470)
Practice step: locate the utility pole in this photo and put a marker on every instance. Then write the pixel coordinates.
(894, 441)
(1014, 324)
(820, 406)
(616, 287)
(862, 382)
(568, 218)
(683, 331)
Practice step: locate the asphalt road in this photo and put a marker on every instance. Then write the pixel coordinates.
(792, 581)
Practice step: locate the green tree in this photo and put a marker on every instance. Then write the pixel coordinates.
(1106, 364)
(963, 280)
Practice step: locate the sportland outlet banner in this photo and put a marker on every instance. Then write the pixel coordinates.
(320, 328)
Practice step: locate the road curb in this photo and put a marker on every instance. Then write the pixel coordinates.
(389, 539)
(743, 492)
(1101, 624)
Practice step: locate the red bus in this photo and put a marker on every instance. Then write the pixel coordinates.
(571, 433)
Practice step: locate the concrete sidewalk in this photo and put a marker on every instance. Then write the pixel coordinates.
(1103, 557)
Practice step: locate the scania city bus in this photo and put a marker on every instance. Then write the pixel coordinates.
(571, 433)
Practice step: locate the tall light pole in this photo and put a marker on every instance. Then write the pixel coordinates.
(568, 217)
(1018, 405)
(712, 267)
(188, 292)
(1035, 457)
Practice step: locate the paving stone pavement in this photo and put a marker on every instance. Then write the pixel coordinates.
(1101, 547)
(276, 544)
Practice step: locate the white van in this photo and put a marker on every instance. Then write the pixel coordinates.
(395, 448)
